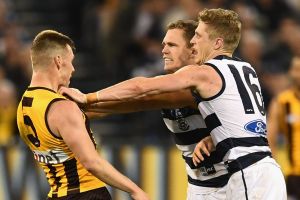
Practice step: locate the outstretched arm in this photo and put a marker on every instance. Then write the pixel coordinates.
(71, 128)
(152, 102)
(140, 87)
(189, 77)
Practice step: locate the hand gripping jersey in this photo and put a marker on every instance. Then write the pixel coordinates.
(236, 115)
(188, 128)
(64, 172)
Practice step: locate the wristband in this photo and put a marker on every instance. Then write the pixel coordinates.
(92, 97)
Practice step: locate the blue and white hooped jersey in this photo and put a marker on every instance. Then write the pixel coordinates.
(236, 115)
(188, 128)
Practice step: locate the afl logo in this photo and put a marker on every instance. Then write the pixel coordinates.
(257, 127)
(182, 124)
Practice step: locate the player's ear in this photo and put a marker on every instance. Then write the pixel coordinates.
(57, 61)
(219, 43)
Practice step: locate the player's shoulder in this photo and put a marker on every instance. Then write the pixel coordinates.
(63, 106)
(63, 112)
(201, 71)
(196, 67)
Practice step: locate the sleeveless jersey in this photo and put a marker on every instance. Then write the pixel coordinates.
(289, 122)
(188, 128)
(236, 115)
(64, 172)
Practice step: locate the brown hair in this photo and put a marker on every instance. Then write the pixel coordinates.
(46, 43)
(188, 27)
(222, 23)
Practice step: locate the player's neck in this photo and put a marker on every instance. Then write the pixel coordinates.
(219, 53)
(44, 80)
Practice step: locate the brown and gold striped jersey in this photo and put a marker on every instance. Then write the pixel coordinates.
(289, 123)
(64, 172)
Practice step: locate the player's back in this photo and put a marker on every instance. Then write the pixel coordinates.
(64, 172)
(236, 114)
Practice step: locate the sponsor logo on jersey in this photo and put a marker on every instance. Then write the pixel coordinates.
(50, 157)
(206, 171)
(256, 127)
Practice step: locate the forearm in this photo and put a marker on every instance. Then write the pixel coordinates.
(150, 102)
(115, 107)
(120, 92)
(95, 115)
(138, 87)
(108, 174)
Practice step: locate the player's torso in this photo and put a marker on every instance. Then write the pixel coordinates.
(58, 162)
(236, 114)
(188, 128)
(289, 116)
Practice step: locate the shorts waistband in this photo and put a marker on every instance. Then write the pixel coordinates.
(245, 161)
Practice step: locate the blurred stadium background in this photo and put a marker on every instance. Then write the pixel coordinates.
(116, 40)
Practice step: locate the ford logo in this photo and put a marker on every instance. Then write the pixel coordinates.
(257, 127)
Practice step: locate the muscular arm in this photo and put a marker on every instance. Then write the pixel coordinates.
(71, 128)
(273, 126)
(152, 102)
(202, 78)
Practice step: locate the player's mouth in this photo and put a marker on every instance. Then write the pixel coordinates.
(194, 52)
(168, 59)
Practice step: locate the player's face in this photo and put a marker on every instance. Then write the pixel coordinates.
(202, 44)
(176, 52)
(67, 68)
(294, 72)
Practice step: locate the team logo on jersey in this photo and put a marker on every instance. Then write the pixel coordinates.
(257, 127)
(182, 123)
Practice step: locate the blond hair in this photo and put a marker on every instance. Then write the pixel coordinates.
(224, 24)
(45, 44)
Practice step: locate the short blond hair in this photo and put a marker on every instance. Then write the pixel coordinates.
(224, 24)
(46, 43)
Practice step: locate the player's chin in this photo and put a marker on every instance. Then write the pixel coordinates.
(170, 68)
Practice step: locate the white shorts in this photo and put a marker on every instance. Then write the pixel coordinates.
(205, 193)
(264, 181)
